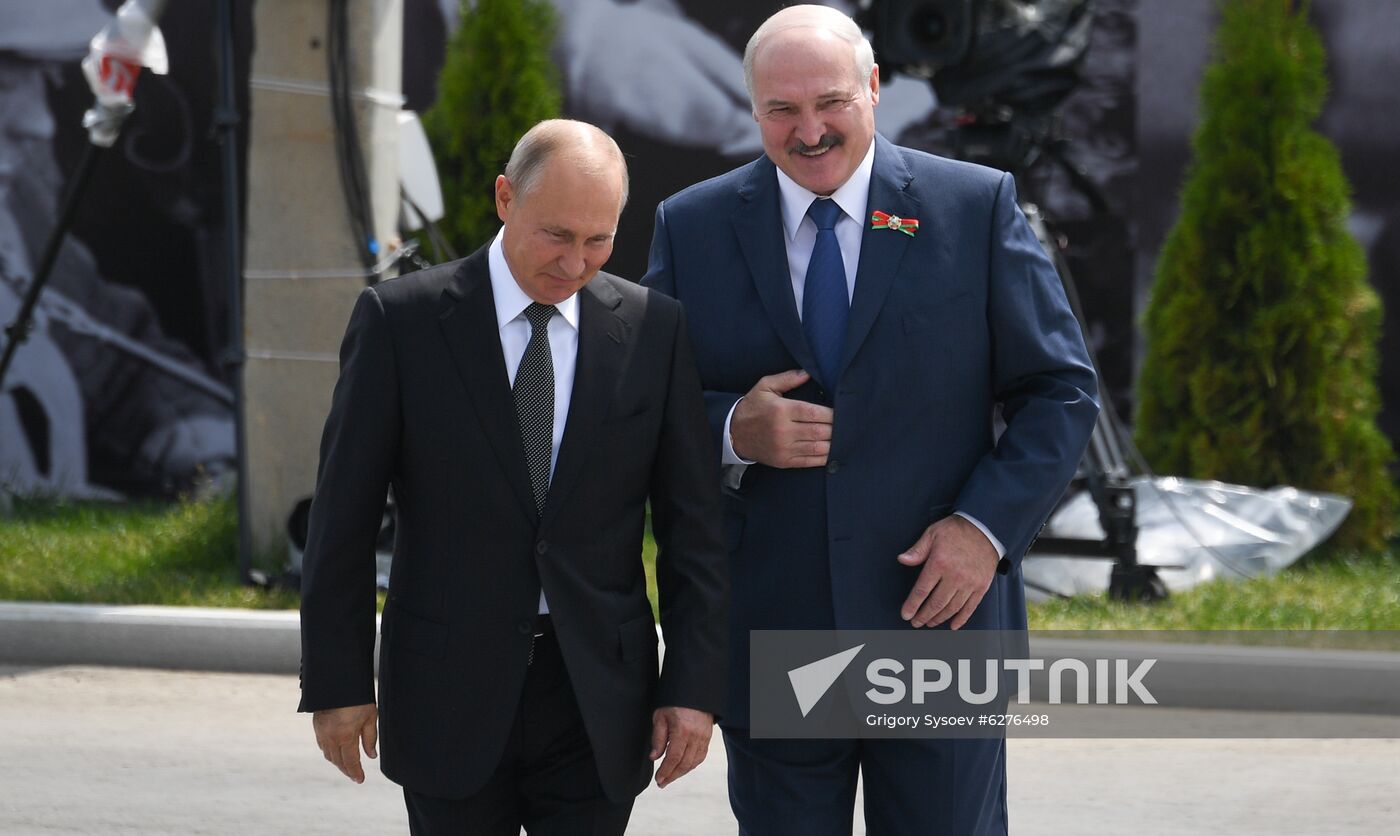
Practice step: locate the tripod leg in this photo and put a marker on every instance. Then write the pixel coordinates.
(18, 330)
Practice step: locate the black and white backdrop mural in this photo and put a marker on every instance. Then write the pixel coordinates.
(83, 414)
(98, 401)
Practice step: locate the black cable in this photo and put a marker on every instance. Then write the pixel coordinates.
(355, 158)
(182, 122)
(226, 123)
(345, 127)
(349, 155)
(439, 241)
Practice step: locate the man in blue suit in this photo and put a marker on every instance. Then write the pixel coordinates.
(860, 312)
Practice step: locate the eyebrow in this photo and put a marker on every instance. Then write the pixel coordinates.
(834, 93)
(559, 230)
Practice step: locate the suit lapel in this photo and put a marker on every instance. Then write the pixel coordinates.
(758, 223)
(881, 250)
(602, 346)
(467, 319)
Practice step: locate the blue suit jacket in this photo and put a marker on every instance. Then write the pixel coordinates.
(946, 325)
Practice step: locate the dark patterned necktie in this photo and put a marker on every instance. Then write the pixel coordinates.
(825, 305)
(534, 400)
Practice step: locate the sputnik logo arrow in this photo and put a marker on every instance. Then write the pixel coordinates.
(811, 681)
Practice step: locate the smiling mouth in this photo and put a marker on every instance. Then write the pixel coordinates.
(827, 143)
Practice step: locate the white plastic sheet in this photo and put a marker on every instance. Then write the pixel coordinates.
(1194, 530)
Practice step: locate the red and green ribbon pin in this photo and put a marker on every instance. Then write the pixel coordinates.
(884, 220)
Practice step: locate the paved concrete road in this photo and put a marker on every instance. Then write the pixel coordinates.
(124, 751)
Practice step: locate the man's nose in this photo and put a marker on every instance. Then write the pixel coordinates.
(572, 263)
(810, 128)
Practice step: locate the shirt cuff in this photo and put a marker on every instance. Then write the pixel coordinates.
(729, 456)
(991, 538)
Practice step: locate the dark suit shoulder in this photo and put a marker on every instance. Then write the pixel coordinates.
(634, 300)
(419, 287)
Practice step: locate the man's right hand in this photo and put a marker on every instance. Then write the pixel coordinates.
(341, 731)
(773, 430)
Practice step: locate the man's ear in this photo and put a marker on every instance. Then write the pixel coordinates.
(875, 84)
(504, 197)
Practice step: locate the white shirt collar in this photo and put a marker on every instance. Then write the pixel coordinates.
(852, 196)
(511, 301)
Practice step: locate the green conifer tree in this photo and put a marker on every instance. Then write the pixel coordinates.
(497, 81)
(1262, 329)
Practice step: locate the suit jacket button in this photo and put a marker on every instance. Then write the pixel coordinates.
(541, 548)
(833, 467)
(526, 627)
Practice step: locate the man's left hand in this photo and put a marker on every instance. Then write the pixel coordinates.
(683, 735)
(959, 564)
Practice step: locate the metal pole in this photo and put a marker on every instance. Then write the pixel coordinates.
(226, 120)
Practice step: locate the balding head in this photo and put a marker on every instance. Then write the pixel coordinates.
(814, 86)
(584, 147)
(560, 198)
(822, 18)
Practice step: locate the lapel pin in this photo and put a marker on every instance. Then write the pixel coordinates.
(884, 220)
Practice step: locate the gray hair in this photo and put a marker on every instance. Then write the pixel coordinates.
(812, 17)
(587, 146)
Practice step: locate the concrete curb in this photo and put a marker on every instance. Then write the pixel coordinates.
(1238, 677)
(189, 638)
(256, 641)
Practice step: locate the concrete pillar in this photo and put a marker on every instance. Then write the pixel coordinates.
(302, 273)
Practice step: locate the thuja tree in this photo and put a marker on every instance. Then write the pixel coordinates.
(1262, 328)
(497, 81)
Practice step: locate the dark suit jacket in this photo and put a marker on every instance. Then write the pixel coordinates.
(966, 315)
(423, 403)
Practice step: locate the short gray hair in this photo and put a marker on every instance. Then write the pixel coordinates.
(812, 17)
(587, 146)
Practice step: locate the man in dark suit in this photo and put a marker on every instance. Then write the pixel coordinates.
(860, 311)
(524, 407)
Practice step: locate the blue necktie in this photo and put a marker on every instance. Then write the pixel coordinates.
(825, 304)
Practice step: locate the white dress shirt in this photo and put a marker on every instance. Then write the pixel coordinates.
(800, 237)
(511, 303)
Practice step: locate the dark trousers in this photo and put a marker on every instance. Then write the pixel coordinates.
(912, 787)
(546, 781)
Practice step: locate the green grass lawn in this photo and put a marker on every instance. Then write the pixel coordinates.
(184, 555)
(1359, 592)
(181, 554)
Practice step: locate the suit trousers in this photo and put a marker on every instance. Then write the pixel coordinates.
(547, 780)
(799, 787)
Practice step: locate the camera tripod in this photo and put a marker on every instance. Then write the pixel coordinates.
(1004, 139)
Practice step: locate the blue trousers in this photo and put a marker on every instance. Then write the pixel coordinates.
(912, 787)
